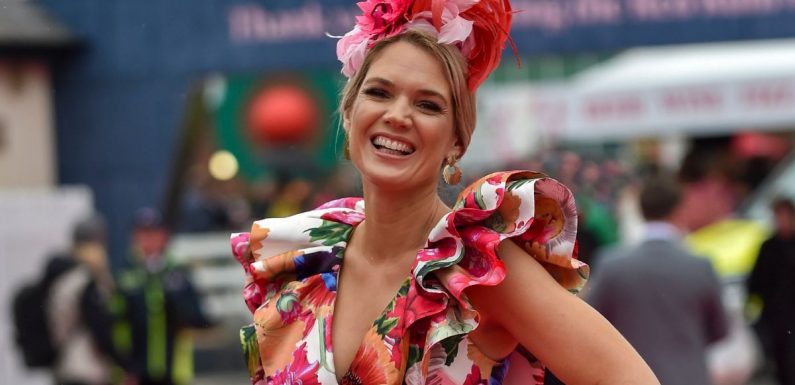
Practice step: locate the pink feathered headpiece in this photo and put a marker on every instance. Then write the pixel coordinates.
(479, 28)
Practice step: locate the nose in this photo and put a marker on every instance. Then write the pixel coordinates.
(398, 114)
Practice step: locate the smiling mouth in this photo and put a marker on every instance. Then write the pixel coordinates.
(392, 147)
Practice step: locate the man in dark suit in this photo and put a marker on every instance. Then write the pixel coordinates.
(664, 300)
(771, 281)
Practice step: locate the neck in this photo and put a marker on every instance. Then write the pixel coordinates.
(398, 221)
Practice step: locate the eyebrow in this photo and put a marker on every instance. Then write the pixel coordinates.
(423, 91)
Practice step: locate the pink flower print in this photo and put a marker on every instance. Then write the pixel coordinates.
(496, 179)
(439, 250)
(347, 217)
(476, 263)
(239, 243)
(345, 203)
(473, 378)
(482, 237)
(327, 333)
(397, 312)
(253, 296)
(299, 372)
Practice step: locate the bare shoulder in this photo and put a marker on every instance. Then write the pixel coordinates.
(498, 305)
(544, 317)
(527, 284)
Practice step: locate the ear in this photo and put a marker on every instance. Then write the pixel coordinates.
(346, 121)
(458, 148)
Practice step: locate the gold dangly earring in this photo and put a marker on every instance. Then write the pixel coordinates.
(451, 173)
(346, 151)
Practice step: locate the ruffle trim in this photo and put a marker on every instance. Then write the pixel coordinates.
(535, 212)
(272, 250)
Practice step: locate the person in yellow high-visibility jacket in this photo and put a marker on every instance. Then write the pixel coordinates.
(156, 306)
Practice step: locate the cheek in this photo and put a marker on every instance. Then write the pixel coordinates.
(359, 119)
(442, 136)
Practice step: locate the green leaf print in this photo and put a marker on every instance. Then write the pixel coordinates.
(450, 346)
(287, 302)
(384, 325)
(415, 355)
(495, 222)
(441, 264)
(515, 184)
(330, 233)
(404, 289)
(454, 325)
(248, 338)
(479, 198)
(321, 325)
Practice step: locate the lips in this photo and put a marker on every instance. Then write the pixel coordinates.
(392, 146)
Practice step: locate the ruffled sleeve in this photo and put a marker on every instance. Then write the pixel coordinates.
(281, 251)
(536, 212)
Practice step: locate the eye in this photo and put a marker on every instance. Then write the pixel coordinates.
(376, 92)
(430, 106)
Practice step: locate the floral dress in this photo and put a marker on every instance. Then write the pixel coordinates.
(421, 337)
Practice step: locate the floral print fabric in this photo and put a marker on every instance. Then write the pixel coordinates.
(291, 267)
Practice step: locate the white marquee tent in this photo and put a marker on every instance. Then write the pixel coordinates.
(692, 90)
(695, 89)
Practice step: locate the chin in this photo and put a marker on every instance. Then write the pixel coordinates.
(395, 179)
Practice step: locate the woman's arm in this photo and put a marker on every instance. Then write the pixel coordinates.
(576, 343)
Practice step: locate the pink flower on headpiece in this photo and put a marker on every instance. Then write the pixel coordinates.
(454, 28)
(382, 17)
(351, 50)
(479, 28)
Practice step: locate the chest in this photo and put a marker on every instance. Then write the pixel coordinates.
(362, 305)
(367, 309)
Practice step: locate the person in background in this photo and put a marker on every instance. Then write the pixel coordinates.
(156, 306)
(291, 199)
(771, 281)
(78, 317)
(664, 300)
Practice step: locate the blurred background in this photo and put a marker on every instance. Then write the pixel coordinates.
(216, 112)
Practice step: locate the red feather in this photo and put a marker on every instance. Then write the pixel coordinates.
(436, 10)
(491, 26)
(490, 30)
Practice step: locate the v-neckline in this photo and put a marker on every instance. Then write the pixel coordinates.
(393, 299)
(338, 273)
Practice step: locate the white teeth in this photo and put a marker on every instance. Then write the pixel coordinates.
(393, 144)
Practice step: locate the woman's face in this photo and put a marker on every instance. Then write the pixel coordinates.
(400, 127)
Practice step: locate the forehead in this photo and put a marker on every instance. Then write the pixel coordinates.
(407, 65)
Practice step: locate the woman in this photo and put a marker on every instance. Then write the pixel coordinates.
(398, 288)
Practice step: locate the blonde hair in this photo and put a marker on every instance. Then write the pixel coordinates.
(455, 70)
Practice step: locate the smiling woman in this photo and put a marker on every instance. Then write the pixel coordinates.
(400, 128)
(397, 288)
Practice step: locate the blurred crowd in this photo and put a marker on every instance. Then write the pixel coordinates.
(91, 326)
